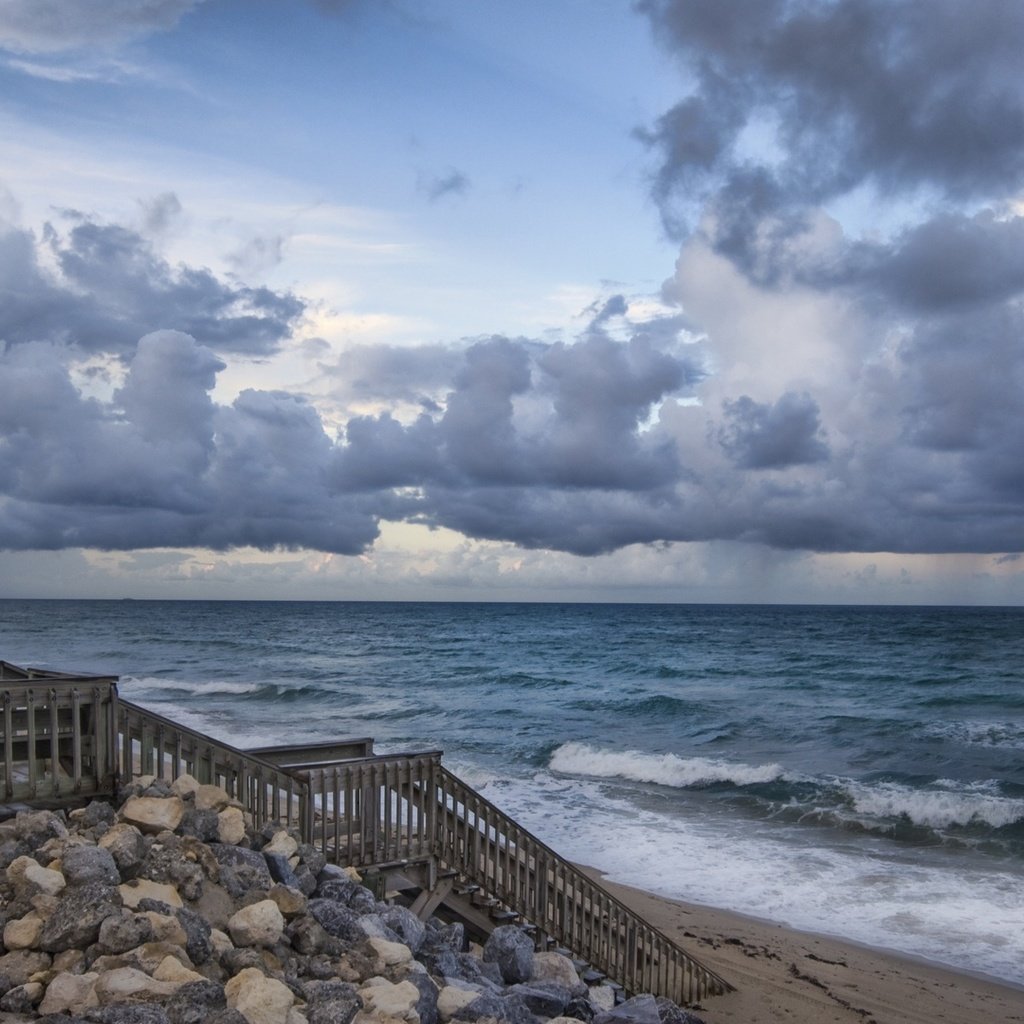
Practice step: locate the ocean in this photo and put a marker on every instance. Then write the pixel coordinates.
(852, 771)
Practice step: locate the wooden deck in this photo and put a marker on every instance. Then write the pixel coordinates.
(403, 818)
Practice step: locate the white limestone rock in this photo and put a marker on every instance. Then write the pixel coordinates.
(138, 889)
(390, 953)
(231, 826)
(382, 998)
(153, 814)
(128, 985)
(23, 933)
(29, 877)
(259, 999)
(70, 993)
(260, 924)
(451, 999)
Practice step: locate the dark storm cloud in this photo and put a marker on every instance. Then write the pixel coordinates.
(760, 436)
(111, 288)
(900, 95)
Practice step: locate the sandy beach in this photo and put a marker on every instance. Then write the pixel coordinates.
(785, 975)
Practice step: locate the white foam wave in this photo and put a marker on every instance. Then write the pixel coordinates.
(663, 769)
(940, 807)
(147, 684)
(981, 734)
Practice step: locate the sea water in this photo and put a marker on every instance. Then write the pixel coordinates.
(853, 771)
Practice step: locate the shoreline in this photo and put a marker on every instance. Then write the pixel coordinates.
(785, 975)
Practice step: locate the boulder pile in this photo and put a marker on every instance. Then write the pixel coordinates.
(172, 909)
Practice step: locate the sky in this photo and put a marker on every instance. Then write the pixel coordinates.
(677, 300)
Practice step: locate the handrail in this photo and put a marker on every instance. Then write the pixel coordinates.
(153, 745)
(489, 848)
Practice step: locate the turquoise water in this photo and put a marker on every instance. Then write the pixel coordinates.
(858, 771)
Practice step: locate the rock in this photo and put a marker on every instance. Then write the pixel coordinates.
(407, 926)
(281, 843)
(29, 877)
(195, 1001)
(70, 993)
(309, 938)
(602, 998)
(336, 919)
(198, 942)
(670, 1013)
(390, 953)
(331, 1002)
(260, 924)
(555, 967)
(200, 824)
(153, 814)
(123, 931)
(426, 1005)
(241, 870)
(81, 864)
(211, 798)
(231, 826)
(24, 932)
(581, 1008)
(36, 827)
(17, 967)
(99, 812)
(128, 985)
(126, 845)
(291, 902)
(76, 921)
(22, 998)
(451, 1000)
(185, 786)
(512, 951)
(390, 1000)
(163, 928)
(261, 1000)
(139, 889)
(173, 970)
(281, 870)
(167, 861)
(138, 1013)
(639, 1010)
(543, 998)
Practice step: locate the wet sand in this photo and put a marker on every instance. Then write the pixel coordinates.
(782, 975)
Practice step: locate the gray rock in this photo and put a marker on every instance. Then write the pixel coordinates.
(23, 998)
(311, 858)
(228, 1016)
(241, 870)
(408, 927)
(512, 950)
(444, 936)
(201, 824)
(37, 827)
(638, 1010)
(544, 998)
(336, 919)
(128, 1013)
(454, 966)
(306, 880)
(166, 863)
(309, 938)
(670, 1013)
(82, 864)
(426, 1005)
(80, 911)
(331, 1002)
(280, 870)
(340, 890)
(197, 931)
(18, 966)
(98, 812)
(195, 1001)
(123, 931)
(580, 1008)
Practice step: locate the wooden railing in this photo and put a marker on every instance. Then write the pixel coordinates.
(70, 737)
(485, 845)
(152, 745)
(57, 736)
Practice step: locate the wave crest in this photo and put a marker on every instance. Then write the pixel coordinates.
(663, 769)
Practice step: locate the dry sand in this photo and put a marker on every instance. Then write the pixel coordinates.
(799, 978)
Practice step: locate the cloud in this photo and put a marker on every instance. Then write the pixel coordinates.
(108, 287)
(53, 26)
(451, 183)
(826, 97)
(762, 436)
